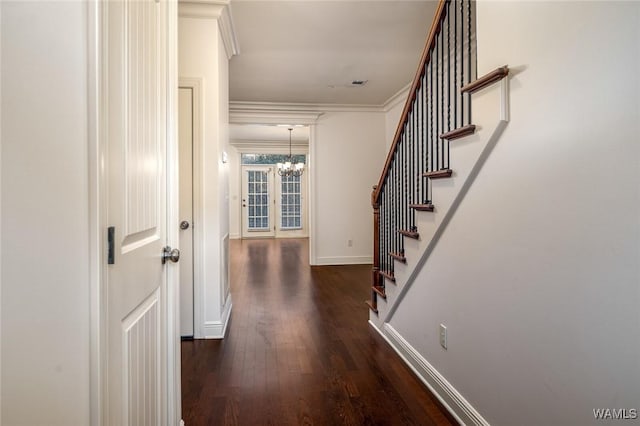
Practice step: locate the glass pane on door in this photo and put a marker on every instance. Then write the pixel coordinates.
(290, 203)
(258, 200)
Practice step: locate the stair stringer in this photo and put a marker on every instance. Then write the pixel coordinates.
(468, 156)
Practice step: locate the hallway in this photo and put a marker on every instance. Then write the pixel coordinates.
(299, 350)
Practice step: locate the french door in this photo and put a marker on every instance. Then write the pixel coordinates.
(272, 206)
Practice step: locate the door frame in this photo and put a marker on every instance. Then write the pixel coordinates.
(195, 84)
(275, 192)
(244, 211)
(97, 62)
(280, 148)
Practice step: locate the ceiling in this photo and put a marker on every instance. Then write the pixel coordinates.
(308, 51)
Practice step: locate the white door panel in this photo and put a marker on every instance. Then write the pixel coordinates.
(137, 209)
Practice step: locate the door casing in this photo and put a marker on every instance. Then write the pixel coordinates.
(195, 84)
(275, 213)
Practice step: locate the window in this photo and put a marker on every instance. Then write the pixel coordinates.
(258, 200)
(290, 203)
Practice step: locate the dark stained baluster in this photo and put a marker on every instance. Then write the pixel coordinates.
(437, 107)
(409, 165)
(455, 65)
(462, 95)
(441, 125)
(396, 193)
(383, 230)
(469, 58)
(446, 142)
(405, 200)
(432, 126)
(424, 158)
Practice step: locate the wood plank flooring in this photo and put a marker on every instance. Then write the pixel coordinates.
(299, 350)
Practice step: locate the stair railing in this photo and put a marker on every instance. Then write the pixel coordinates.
(436, 112)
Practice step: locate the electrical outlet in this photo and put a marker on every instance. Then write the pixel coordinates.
(349, 243)
(443, 336)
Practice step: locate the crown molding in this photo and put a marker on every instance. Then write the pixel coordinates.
(248, 115)
(302, 107)
(243, 112)
(220, 10)
(301, 145)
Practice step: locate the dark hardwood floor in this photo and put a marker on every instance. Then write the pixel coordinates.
(299, 350)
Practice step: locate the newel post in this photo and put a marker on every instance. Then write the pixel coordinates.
(376, 238)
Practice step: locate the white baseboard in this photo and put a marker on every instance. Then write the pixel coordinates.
(450, 398)
(344, 260)
(217, 329)
(234, 236)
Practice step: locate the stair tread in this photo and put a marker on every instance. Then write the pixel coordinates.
(398, 256)
(486, 80)
(411, 234)
(371, 306)
(388, 275)
(460, 132)
(380, 291)
(422, 207)
(439, 174)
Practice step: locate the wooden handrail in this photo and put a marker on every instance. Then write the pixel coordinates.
(426, 55)
(486, 80)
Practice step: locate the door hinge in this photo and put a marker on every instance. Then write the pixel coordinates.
(110, 250)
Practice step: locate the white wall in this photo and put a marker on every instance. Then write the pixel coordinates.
(45, 276)
(537, 275)
(202, 56)
(393, 109)
(348, 153)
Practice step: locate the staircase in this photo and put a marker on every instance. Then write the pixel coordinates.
(437, 113)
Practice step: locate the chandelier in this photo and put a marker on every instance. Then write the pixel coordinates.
(288, 168)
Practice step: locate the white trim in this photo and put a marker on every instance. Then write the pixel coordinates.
(97, 219)
(312, 197)
(256, 116)
(196, 84)
(89, 82)
(302, 108)
(173, 366)
(217, 329)
(219, 10)
(450, 398)
(204, 9)
(234, 236)
(225, 266)
(344, 260)
(257, 146)
(228, 33)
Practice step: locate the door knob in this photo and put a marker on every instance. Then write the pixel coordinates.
(184, 224)
(170, 254)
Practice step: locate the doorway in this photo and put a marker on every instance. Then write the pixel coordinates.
(185, 154)
(272, 205)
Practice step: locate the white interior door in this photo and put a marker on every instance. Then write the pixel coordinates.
(258, 202)
(185, 129)
(136, 287)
